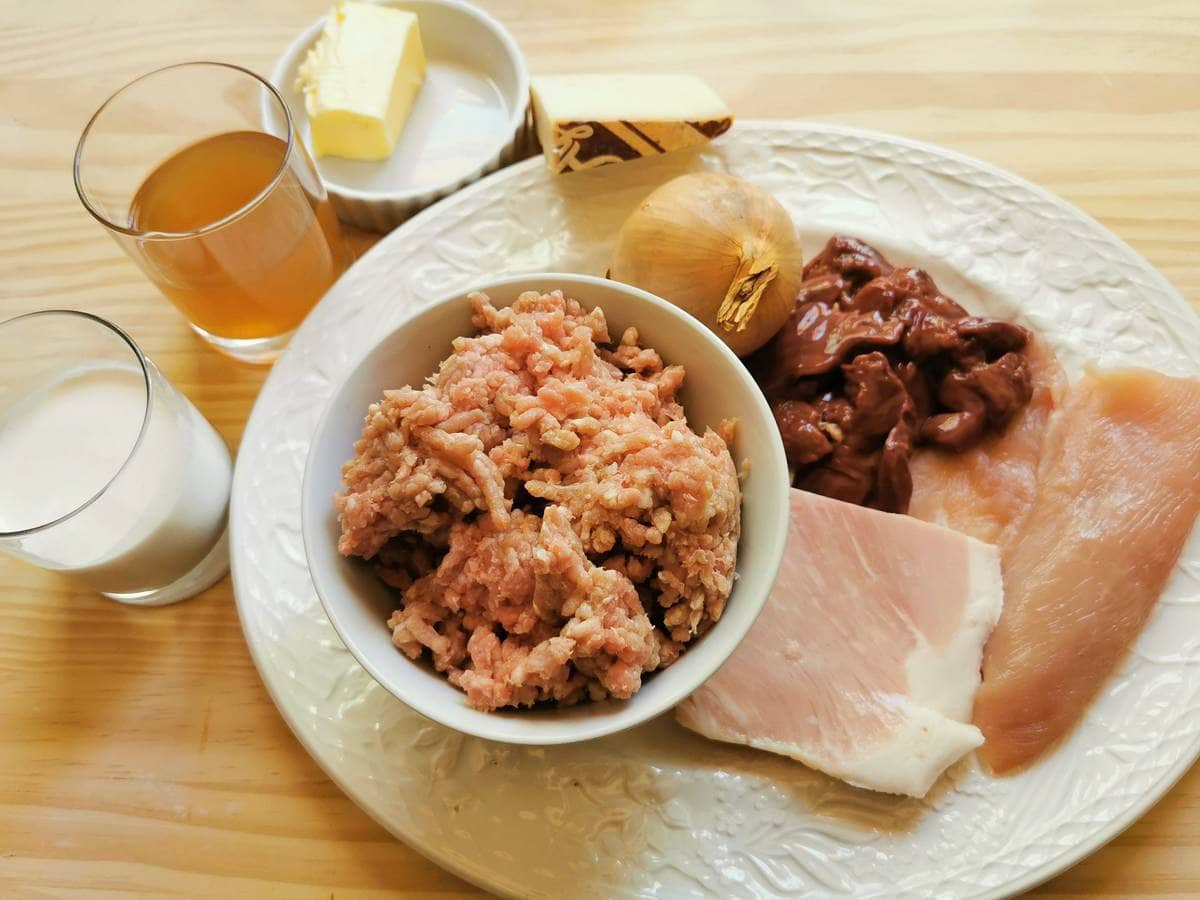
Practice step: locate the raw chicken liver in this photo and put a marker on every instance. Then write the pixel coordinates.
(986, 490)
(875, 360)
(865, 661)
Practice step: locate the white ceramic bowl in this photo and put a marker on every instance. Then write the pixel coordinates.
(717, 387)
(470, 117)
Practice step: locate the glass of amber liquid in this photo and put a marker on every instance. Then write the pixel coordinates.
(231, 222)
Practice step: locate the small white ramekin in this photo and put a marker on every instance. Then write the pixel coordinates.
(457, 38)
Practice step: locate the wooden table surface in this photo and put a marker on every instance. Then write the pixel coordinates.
(138, 748)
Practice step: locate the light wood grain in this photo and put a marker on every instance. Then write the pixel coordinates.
(138, 748)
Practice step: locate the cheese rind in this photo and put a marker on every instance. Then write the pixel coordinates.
(585, 121)
(360, 80)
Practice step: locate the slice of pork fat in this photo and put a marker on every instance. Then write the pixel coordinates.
(865, 661)
(1118, 491)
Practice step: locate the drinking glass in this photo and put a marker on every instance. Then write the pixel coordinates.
(231, 222)
(107, 472)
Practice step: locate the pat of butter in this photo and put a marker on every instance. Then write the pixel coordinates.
(585, 121)
(360, 79)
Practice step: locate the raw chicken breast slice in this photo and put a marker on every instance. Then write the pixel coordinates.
(1118, 491)
(865, 660)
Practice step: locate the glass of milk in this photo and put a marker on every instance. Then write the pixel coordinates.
(107, 472)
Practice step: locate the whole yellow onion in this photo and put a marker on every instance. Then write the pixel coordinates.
(718, 247)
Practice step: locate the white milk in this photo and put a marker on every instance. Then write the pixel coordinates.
(63, 443)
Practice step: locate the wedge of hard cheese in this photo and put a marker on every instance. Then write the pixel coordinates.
(585, 121)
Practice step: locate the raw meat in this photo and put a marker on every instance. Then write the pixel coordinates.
(874, 361)
(1118, 490)
(985, 490)
(553, 525)
(865, 661)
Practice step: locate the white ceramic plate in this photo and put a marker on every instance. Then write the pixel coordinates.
(657, 811)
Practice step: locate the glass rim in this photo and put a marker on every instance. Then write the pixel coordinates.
(144, 365)
(156, 235)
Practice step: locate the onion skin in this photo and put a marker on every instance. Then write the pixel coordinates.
(719, 248)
